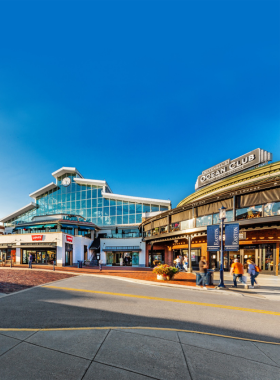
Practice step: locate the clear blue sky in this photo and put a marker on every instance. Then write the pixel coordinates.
(144, 94)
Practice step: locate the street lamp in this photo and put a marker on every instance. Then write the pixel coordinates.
(222, 218)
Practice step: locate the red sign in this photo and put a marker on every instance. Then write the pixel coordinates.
(69, 238)
(37, 237)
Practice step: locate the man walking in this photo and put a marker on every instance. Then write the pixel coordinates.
(202, 271)
(177, 261)
(237, 271)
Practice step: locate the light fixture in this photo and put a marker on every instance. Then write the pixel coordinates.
(223, 214)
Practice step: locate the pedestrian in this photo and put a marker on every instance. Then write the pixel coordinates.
(181, 262)
(30, 261)
(177, 261)
(100, 265)
(202, 271)
(186, 263)
(258, 270)
(237, 271)
(252, 272)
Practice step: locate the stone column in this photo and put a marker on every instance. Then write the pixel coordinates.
(189, 253)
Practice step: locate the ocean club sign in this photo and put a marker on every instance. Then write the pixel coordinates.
(230, 167)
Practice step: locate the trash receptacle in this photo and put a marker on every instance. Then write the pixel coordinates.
(209, 277)
(198, 277)
(80, 264)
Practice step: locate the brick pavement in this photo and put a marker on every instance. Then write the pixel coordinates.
(13, 280)
(144, 274)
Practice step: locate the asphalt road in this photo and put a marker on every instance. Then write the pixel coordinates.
(218, 313)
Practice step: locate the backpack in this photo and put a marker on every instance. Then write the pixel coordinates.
(257, 269)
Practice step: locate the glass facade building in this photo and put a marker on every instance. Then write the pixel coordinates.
(89, 201)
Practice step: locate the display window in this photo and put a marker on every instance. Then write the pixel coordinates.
(47, 257)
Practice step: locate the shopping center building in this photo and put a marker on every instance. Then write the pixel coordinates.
(249, 188)
(73, 218)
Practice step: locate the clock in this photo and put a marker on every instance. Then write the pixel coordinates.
(66, 181)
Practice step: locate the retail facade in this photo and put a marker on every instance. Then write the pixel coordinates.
(99, 222)
(252, 199)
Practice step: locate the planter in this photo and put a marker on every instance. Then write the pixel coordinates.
(163, 278)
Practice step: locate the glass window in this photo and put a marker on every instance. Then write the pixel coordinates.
(119, 210)
(155, 231)
(106, 211)
(132, 208)
(88, 213)
(78, 204)
(216, 219)
(132, 218)
(125, 208)
(83, 195)
(272, 209)
(175, 226)
(112, 202)
(100, 202)
(93, 203)
(106, 202)
(88, 193)
(119, 220)
(106, 220)
(113, 210)
(113, 220)
(99, 191)
(155, 208)
(78, 196)
(249, 212)
(138, 208)
(163, 230)
(146, 208)
(138, 218)
(125, 219)
(94, 193)
(204, 221)
(84, 204)
(89, 203)
(163, 208)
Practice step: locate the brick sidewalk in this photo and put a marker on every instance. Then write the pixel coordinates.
(145, 274)
(14, 280)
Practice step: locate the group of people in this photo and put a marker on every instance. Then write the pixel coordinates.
(237, 271)
(181, 262)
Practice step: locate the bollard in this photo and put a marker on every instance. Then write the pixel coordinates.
(53, 265)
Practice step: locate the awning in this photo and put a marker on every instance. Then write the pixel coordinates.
(50, 225)
(122, 249)
(29, 227)
(69, 225)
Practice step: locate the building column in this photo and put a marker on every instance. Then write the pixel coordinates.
(189, 253)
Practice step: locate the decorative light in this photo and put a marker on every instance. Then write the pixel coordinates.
(223, 214)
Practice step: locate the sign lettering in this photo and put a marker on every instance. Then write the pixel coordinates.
(232, 237)
(213, 238)
(37, 237)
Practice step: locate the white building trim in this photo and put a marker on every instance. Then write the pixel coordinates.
(22, 210)
(64, 170)
(95, 182)
(43, 190)
(119, 197)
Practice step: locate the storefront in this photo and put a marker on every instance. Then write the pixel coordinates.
(122, 258)
(45, 256)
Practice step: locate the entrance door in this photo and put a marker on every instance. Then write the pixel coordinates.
(267, 257)
(67, 257)
(135, 259)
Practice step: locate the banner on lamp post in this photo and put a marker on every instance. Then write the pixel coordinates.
(213, 240)
(232, 237)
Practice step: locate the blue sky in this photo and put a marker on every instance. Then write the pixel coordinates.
(144, 94)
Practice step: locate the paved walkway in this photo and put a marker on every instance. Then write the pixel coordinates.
(134, 353)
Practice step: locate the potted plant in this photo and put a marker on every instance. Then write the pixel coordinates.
(165, 272)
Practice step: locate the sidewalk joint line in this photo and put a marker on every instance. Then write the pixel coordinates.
(185, 356)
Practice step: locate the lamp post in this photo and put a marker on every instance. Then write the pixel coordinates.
(222, 218)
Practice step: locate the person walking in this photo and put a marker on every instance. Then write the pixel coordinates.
(177, 262)
(30, 261)
(252, 272)
(186, 263)
(202, 271)
(237, 271)
(181, 262)
(100, 265)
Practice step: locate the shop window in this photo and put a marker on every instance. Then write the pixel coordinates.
(249, 212)
(148, 233)
(163, 230)
(156, 231)
(271, 209)
(204, 221)
(175, 227)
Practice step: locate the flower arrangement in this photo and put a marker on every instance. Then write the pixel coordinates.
(165, 272)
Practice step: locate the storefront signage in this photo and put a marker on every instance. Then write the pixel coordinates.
(37, 237)
(69, 238)
(213, 238)
(230, 167)
(232, 237)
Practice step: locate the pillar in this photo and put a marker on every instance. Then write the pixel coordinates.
(277, 260)
(189, 253)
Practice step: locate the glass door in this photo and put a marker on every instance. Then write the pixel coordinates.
(267, 257)
(135, 259)
(67, 257)
(109, 258)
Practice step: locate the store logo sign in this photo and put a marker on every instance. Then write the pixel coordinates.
(37, 237)
(69, 238)
(230, 167)
(213, 238)
(232, 237)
